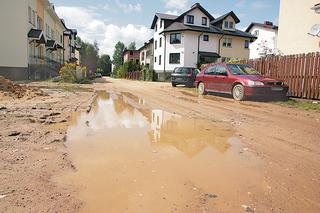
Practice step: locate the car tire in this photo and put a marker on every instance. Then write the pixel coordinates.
(173, 84)
(201, 89)
(238, 92)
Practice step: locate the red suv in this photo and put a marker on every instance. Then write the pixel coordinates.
(239, 80)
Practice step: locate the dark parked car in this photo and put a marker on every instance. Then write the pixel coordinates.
(184, 76)
(239, 80)
(98, 75)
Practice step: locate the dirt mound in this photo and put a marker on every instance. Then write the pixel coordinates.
(9, 88)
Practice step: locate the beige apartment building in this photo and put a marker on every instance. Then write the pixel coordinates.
(296, 19)
(34, 46)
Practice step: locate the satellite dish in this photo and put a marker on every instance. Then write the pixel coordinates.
(315, 30)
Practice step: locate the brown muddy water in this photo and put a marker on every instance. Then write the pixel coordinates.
(130, 158)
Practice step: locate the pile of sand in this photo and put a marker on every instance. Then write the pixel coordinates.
(8, 88)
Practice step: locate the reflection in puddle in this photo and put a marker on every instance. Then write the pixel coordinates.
(133, 159)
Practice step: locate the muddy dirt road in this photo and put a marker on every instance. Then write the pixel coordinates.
(148, 147)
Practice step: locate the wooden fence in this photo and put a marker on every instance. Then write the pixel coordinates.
(301, 72)
(135, 75)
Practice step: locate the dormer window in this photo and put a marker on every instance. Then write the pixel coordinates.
(190, 19)
(228, 24)
(204, 21)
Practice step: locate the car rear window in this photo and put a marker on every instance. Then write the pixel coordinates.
(184, 70)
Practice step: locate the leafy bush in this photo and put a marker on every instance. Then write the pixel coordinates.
(71, 73)
(147, 73)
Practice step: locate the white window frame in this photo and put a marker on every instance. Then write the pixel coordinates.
(227, 42)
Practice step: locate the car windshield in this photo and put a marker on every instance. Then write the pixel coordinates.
(184, 70)
(242, 69)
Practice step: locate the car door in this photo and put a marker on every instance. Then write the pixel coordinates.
(222, 82)
(209, 78)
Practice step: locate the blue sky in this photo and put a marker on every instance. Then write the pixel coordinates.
(108, 21)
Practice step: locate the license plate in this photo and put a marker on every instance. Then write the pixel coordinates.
(276, 88)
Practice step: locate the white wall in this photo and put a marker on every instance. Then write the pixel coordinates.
(191, 47)
(267, 37)
(198, 14)
(295, 21)
(14, 30)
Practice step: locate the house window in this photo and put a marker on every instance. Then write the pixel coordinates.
(174, 58)
(39, 23)
(159, 59)
(160, 42)
(190, 19)
(228, 24)
(161, 22)
(246, 44)
(155, 45)
(204, 21)
(131, 52)
(33, 18)
(205, 37)
(155, 59)
(175, 38)
(227, 42)
(29, 15)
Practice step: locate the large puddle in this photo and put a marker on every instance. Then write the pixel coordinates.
(129, 158)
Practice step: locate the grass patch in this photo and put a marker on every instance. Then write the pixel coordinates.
(306, 105)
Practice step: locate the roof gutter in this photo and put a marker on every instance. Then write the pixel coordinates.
(219, 47)
(199, 47)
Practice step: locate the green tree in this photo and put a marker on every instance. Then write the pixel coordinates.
(117, 55)
(89, 54)
(132, 46)
(104, 64)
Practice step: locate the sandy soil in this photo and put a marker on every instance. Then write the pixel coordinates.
(32, 150)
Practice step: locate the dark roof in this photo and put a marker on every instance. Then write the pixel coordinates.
(145, 44)
(51, 44)
(265, 25)
(125, 51)
(221, 18)
(197, 6)
(162, 16)
(209, 54)
(37, 35)
(178, 26)
(60, 47)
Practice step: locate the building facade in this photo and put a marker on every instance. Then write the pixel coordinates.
(196, 37)
(146, 54)
(266, 42)
(296, 19)
(131, 55)
(32, 48)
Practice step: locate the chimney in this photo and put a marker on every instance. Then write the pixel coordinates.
(269, 23)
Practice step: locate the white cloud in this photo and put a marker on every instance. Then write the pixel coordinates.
(128, 8)
(172, 12)
(91, 28)
(177, 4)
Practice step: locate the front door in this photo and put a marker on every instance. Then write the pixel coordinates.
(222, 82)
(209, 78)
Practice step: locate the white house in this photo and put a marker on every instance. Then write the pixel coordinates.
(146, 54)
(266, 42)
(196, 37)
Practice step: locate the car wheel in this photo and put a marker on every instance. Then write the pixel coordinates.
(173, 84)
(201, 89)
(238, 92)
